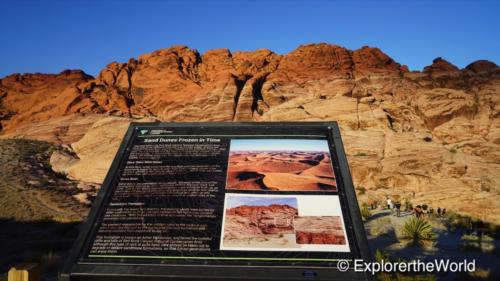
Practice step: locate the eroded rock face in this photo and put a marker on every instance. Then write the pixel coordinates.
(430, 136)
(245, 221)
(440, 105)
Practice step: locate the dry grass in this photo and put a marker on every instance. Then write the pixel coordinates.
(383, 228)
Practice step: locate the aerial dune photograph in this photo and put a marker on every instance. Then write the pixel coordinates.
(280, 165)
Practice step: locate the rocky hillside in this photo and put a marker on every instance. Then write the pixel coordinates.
(431, 136)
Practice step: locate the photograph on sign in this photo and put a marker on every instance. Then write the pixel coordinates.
(280, 165)
(283, 223)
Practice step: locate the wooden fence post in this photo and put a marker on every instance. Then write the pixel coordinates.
(24, 272)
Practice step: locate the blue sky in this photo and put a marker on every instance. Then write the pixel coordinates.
(235, 201)
(49, 36)
(278, 145)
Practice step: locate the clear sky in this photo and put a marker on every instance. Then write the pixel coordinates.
(49, 36)
(278, 144)
(235, 201)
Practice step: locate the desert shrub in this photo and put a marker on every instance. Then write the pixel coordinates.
(418, 232)
(362, 190)
(360, 154)
(494, 230)
(479, 274)
(381, 256)
(453, 150)
(474, 237)
(483, 242)
(385, 276)
(365, 211)
(459, 221)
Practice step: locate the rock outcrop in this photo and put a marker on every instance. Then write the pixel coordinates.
(319, 230)
(432, 136)
(248, 221)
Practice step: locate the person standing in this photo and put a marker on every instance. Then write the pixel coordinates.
(390, 205)
(418, 212)
(398, 208)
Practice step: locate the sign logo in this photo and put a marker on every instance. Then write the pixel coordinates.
(143, 132)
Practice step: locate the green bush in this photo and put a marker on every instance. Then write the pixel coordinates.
(473, 237)
(365, 211)
(418, 232)
(362, 190)
(381, 256)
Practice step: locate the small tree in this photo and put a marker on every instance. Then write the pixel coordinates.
(418, 232)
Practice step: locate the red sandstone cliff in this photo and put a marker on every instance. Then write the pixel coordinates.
(435, 132)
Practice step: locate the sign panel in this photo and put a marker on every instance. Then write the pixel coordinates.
(192, 201)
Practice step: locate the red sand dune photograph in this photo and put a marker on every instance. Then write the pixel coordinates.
(280, 165)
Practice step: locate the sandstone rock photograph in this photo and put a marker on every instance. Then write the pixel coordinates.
(259, 222)
(298, 223)
(319, 230)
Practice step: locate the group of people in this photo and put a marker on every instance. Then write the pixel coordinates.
(394, 206)
(420, 211)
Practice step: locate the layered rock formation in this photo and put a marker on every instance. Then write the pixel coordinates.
(250, 221)
(319, 230)
(432, 136)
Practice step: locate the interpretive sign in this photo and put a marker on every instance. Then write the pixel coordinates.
(223, 201)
